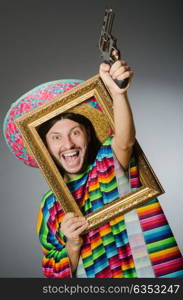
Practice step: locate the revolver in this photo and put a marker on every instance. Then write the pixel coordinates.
(107, 43)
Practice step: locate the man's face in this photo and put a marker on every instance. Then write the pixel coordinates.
(67, 142)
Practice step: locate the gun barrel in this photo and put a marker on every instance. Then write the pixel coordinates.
(108, 21)
(107, 42)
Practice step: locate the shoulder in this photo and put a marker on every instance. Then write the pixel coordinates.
(49, 202)
(48, 197)
(105, 150)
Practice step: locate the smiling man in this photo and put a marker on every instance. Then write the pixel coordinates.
(67, 141)
(139, 244)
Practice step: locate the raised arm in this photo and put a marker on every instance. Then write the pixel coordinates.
(124, 137)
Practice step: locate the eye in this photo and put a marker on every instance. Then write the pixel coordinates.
(56, 137)
(76, 132)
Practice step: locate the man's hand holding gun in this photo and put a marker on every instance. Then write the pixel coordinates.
(115, 73)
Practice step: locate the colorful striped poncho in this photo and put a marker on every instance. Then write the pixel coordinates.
(138, 244)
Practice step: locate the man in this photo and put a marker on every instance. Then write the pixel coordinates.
(108, 251)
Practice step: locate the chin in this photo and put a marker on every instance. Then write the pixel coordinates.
(74, 171)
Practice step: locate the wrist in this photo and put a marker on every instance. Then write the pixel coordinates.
(75, 244)
(119, 96)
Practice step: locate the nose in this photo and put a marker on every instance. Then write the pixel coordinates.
(67, 143)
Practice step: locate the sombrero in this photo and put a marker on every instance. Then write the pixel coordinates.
(38, 96)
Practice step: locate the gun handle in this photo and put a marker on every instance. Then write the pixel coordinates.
(122, 83)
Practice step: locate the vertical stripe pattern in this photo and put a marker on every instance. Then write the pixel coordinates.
(107, 252)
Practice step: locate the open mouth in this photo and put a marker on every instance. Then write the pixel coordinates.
(71, 158)
(70, 155)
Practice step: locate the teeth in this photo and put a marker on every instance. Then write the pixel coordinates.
(70, 154)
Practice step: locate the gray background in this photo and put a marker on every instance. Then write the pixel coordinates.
(46, 40)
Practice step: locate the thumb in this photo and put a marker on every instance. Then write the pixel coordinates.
(104, 67)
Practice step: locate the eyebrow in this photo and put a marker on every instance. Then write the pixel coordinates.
(55, 132)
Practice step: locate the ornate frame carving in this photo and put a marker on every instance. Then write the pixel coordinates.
(28, 125)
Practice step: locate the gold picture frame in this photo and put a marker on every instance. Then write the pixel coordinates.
(28, 125)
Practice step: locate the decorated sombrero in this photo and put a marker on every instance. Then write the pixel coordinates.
(39, 96)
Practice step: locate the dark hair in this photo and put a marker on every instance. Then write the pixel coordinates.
(93, 141)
